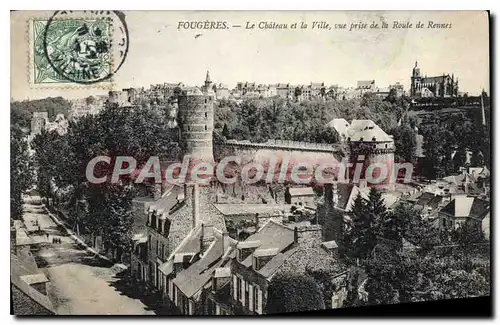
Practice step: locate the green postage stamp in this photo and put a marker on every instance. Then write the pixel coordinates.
(84, 48)
(71, 50)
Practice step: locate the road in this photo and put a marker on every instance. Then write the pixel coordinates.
(80, 282)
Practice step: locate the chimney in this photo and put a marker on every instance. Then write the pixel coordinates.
(206, 237)
(196, 205)
(225, 236)
(308, 235)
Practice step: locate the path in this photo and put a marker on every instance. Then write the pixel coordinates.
(80, 282)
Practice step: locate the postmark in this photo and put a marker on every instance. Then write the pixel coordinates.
(78, 47)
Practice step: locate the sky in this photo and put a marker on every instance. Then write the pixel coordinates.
(159, 52)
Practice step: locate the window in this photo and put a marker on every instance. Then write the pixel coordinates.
(205, 127)
(246, 301)
(157, 247)
(149, 242)
(238, 289)
(256, 298)
(206, 114)
(162, 251)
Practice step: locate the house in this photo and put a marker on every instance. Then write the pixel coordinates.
(300, 196)
(464, 209)
(171, 219)
(275, 249)
(200, 265)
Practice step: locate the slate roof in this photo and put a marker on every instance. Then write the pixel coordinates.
(275, 240)
(367, 130)
(181, 216)
(429, 200)
(271, 235)
(433, 79)
(365, 83)
(312, 258)
(191, 280)
(467, 207)
(340, 125)
(169, 199)
(229, 209)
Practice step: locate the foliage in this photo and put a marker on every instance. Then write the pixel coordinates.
(405, 142)
(362, 233)
(21, 175)
(458, 133)
(293, 293)
(21, 112)
(61, 163)
(259, 120)
(409, 277)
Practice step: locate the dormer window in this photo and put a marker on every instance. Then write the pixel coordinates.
(246, 248)
(262, 256)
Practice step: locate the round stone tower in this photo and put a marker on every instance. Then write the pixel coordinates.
(372, 150)
(196, 122)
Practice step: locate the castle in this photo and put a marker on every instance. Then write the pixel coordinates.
(196, 121)
(438, 86)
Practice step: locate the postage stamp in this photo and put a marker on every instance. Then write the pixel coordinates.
(77, 48)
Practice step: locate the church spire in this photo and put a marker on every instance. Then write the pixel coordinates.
(207, 79)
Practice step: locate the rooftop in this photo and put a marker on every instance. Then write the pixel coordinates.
(301, 191)
(252, 208)
(467, 207)
(367, 130)
(191, 280)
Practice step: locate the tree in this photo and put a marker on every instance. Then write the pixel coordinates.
(117, 230)
(360, 237)
(405, 142)
(466, 236)
(21, 175)
(293, 293)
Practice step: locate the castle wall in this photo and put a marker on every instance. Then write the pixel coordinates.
(266, 155)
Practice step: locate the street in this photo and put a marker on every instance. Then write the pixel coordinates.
(80, 282)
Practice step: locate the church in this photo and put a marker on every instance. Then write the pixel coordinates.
(438, 86)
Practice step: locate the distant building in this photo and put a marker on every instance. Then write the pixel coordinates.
(38, 122)
(398, 87)
(119, 98)
(438, 86)
(303, 196)
(87, 106)
(366, 86)
(221, 91)
(464, 209)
